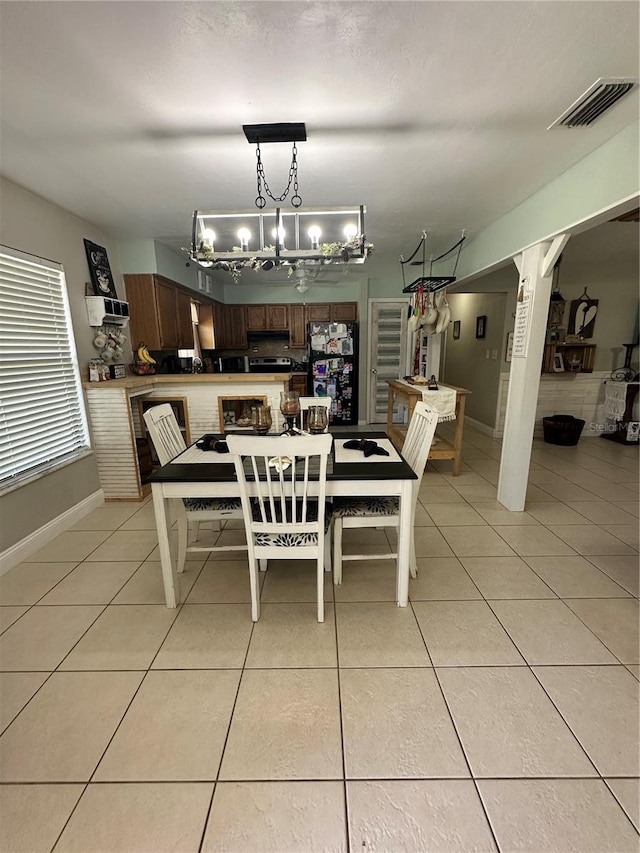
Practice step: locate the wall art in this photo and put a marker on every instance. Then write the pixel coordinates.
(100, 271)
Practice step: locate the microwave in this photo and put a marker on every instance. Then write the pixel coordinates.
(231, 364)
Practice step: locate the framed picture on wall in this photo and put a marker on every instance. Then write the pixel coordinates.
(558, 363)
(456, 330)
(100, 271)
(481, 326)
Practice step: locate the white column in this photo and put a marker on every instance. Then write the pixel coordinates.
(535, 266)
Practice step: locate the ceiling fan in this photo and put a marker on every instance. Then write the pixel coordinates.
(306, 277)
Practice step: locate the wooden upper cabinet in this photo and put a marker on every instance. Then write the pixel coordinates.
(344, 312)
(319, 312)
(235, 329)
(166, 308)
(297, 326)
(184, 320)
(207, 330)
(271, 318)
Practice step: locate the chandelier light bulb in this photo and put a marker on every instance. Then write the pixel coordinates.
(206, 263)
(350, 231)
(208, 236)
(279, 233)
(244, 235)
(314, 236)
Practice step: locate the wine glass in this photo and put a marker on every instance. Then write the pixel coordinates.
(317, 419)
(261, 419)
(290, 408)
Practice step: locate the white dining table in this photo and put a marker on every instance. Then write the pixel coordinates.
(197, 473)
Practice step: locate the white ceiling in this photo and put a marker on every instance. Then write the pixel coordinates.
(432, 114)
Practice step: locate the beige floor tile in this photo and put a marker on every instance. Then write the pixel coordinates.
(273, 817)
(143, 519)
(70, 547)
(626, 532)
(126, 545)
(286, 725)
(466, 477)
(429, 542)
(569, 492)
(547, 632)
(408, 816)
(146, 587)
(290, 636)
(175, 729)
(600, 512)
(63, 731)
(440, 494)
(476, 542)
(477, 492)
(508, 725)
(107, 517)
(554, 513)
(574, 576)
(634, 669)
(207, 636)
(505, 577)
(630, 507)
(551, 815)
(614, 621)
(396, 725)
(28, 582)
(623, 569)
(33, 815)
(454, 514)
(494, 513)
(441, 578)
(222, 581)
(464, 633)
(9, 615)
(91, 583)
(367, 580)
(140, 818)
(600, 705)
(41, 638)
(379, 634)
(536, 541)
(358, 536)
(229, 536)
(125, 636)
(16, 688)
(589, 540)
(422, 517)
(535, 494)
(293, 580)
(627, 793)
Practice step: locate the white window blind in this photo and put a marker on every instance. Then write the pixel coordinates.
(42, 417)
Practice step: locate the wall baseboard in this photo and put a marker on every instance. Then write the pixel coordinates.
(483, 428)
(22, 550)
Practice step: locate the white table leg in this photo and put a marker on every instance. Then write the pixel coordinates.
(404, 545)
(169, 573)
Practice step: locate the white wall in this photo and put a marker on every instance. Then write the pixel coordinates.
(31, 224)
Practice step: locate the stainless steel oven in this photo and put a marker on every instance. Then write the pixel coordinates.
(270, 364)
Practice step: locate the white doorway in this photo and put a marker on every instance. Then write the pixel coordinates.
(387, 352)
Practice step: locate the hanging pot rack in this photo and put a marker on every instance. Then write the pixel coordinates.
(430, 282)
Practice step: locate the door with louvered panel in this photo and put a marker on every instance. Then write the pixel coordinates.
(387, 352)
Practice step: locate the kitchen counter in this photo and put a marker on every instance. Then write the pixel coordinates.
(134, 382)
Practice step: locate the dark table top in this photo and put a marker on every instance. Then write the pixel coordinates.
(223, 472)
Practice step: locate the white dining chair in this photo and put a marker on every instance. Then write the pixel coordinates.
(167, 439)
(384, 511)
(284, 508)
(307, 402)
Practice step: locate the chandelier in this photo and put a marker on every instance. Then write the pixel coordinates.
(262, 240)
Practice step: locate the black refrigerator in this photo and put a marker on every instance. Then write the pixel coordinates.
(333, 368)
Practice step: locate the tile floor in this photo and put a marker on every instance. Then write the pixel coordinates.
(499, 711)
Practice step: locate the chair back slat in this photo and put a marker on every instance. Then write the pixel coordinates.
(417, 443)
(164, 431)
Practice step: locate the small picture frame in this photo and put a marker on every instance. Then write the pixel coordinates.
(558, 363)
(101, 277)
(456, 330)
(481, 326)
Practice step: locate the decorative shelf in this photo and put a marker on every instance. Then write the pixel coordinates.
(568, 353)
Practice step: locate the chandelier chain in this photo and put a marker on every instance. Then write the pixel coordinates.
(261, 201)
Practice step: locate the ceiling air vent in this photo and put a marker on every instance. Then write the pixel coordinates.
(598, 98)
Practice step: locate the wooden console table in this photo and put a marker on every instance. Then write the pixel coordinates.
(409, 395)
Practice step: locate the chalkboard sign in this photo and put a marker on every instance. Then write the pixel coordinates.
(100, 270)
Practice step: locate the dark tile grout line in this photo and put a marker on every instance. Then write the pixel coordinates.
(345, 792)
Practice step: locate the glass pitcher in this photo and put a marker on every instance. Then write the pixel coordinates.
(317, 419)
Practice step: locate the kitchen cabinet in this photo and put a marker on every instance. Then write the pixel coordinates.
(231, 329)
(297, 326)
(207, 330)
(319, 312)
(160, 312)
(298, 382)
(332, 312)
(270, 318)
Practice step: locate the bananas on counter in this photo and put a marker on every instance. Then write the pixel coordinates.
(144, 356)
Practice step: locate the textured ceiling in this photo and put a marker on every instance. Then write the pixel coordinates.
(433, 115)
